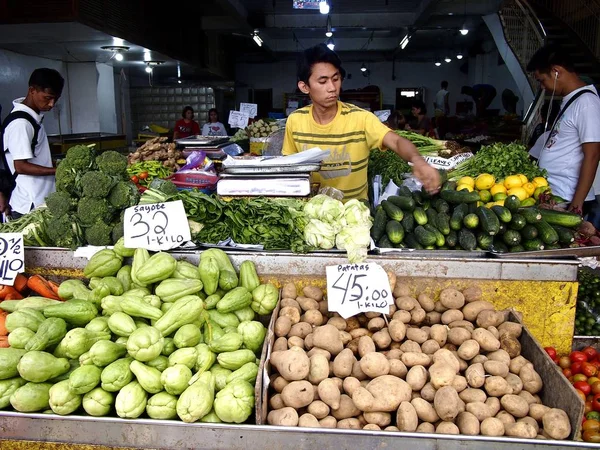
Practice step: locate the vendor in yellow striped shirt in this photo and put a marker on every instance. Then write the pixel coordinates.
(347, 131)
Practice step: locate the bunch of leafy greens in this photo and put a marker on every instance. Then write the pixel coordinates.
(387, 164)
(34, 227)
(500, 160)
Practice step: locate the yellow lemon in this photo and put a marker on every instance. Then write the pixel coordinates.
(528, 202)
(518, 192)
(499, 203)
(484, 181)
(523, 178)
(461, 187)
(512, 181)
(485, 196)
(500, 196)
(540, 181)
(529, 188)
(469, 181)
(489, 204)
(497, 188)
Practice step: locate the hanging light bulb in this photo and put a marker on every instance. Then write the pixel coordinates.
(459, 55)
(323, 7)
(438, 64)
(464, 30)
(119, 56)
(330, 44)
(363, 68)
(447, 59)
(148, 69)
(329, 31)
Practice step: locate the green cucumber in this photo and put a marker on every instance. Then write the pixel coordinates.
(500, 247)
(385, 242)
(456, 197)
(562, 218)
(565, 235)
(531, 214)
(467, 240)
(411, 242)
(441, 205)
(488, 220)
(443, 223)
(459, 213)
(431, 216)
(548, 235)
(504, 215)
(516, 249)
(392, 211)
(452, 239)
(517, 222)
(471, 221)
(420, 216)
(394, 231)
(418, 197)
(408, 223)
(484, 240)
(439, 237)
(425, 237)
(405, 203)
(449, 186)
(512, 203)
(511, 238)
(529, 232)
(378, 228)
(533, 244)
(404, 191)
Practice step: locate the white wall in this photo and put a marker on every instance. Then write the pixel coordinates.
(107, 109)
(83, 79)
(281, 77)
(15, 70)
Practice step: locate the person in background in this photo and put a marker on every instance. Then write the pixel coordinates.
(213, 127)
(346, 131)
(423, 123)
(186, 126)
(26, 145)
(482, 94)
(571, 150)
(442, 101)
(396, 121)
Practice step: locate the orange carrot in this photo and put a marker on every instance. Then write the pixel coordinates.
(54, 287)
(4, 342)
(3, 330)
(9, 291)
(41, 286)
(20, 283)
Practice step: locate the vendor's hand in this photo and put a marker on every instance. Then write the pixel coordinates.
(576, 207)
(427, 175)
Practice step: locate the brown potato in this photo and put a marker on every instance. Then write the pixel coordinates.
(298, 394)
(406, 303)
(462, 363)
(531, 399)
(486, 340)
(479, 359)
(290, 302)
(295, 341)
(365, 346)
(276, 402)
(292, 364)
(280, 345)
(492, 427)
(537, 411)
(417, 334)
(345, 337)
(446, 357)
(401, 290)
(471, 395)
(352, 323)
(425, 427)
(462, 324)
(307, 304)
(446, 403)
(428, 392)
(517, 363)
(515, 383)
(319, 409)
(285, 417)
(279, 383)
(397, 330)
(381, 419)
(357, 372)
(452, 315)
(531, 421)
(426, 302)
(520, 429)
(479, 409)
(289, 291)
(319, 351)
(313, 317)
(319, 369)
(410, 346)
(376, 324)
(452, 298)
(393, 353)
(372, 427)
(282, 326)
(490, 318)
(339, 323)
(471, 310)
(499, 355)
(475, 375)
(375, 364)
(459, 335)
(406, 417)
(384, 393)
(532, 382)
(441, 375)
(313, 292)
(328, 337)
(411, 359)
(497, 386)
(433, 318)
(439, 307)
(468, 349)
(350, 384)
(417, 316)
(496, 368)
(291, 312)
(459, 383)
(301, 329)
(447, 427)
(349, 424)
(472, 294)
(511, 328)
(328, 422)
(515, 405)
(382, 339)
(511, 345)
(324, 308)
(425, 410)
(505, 417)
(392, 310)
(308, 420)
(343, 362)
(359, 332)
(494, 405)
(416, 377)
(402, 316)
(467, 423)
(439, 333)
(430, 346)
(309, 344)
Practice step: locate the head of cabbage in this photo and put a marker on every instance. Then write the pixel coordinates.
(356, 241)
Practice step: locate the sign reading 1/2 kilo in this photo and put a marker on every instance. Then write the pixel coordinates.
(158, 226)
(356, 288)
(12, 258)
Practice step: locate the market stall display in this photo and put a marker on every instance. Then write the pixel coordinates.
(588, 304)
(158, 149)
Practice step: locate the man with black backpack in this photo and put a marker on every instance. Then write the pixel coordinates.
(26, 146)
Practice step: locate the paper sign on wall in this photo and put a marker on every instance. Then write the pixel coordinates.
(12, 257)
(238, 119)
(159, 226)
(383, 114)
(251, 109)
(357, 288)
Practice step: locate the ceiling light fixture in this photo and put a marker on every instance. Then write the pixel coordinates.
(459, 55)
(257, 38)
(117, 50)
(448, 59)
(151, 64)
(329, 31)
(147, 56)
(323, 7)
(438, 63)
(363, 68)
(118, 41)
(330, 44)
(148, 69)
(404, 42)
(464, 30)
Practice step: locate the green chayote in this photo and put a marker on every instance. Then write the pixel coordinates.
(220, 374)
(235, 402)
(162, 406)
(223, 319)
(79, 340)
(84, 379)
(186, 270)
(264, 299)
(187, 336)
(38, 366)
(7, 389)
(253, 334)
(247, 372)
(169, 347)
(186, 356)
(211, 417)
(124, 276)
(121, 324)
(160, 362)
(226, 343)
(175, 378)
(197, 400)
(98, 324)
(244, 314)
(63, 400)
(236, 359)
(131, 401)
(148, 377)
(19, 337)
(145, 344)
(31, 397)
(102, 353)
(116, 375)
(206, 358)
(98, 402)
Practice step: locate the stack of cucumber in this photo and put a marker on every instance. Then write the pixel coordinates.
(457, 220)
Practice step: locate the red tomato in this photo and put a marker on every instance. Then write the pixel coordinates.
(596, 387)
(564, 362)
(135, 179)
(592, 380)
(588, 408)
(551, 352)
(591, 424)
(588, 369)
(567, 373)
(576, 368)
(583, 397)
(579, 377)
(583, 387)
(143, 175)
(596, 364)
(578, 357)
(590, 352)
(591, 436)
(596, 402)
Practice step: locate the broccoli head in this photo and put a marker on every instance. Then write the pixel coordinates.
(60, 203)
(117, 231)
(91, 210)
(81, 157)
(123, 195)
(99, 234)
(67, 178)
(112, 163)
(65, 231)
(96, 184)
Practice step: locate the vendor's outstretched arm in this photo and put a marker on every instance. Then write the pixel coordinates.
(24, 167)
(426, 174)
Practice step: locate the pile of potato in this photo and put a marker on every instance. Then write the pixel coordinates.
(450, 366)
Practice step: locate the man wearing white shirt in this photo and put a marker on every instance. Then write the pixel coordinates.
(571, 150)
(28, 158)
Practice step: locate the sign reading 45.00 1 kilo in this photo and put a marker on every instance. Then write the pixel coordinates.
(12, 257)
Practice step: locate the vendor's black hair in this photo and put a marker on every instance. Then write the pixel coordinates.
(419, 104)
(186, 109)
(548, 56)
(45, 78)
(317, 54)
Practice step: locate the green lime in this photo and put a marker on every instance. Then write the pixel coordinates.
(485, 196)
(499, 196)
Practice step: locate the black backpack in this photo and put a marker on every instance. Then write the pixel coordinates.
(8, 179)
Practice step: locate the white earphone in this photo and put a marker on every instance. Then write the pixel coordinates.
(555, 74)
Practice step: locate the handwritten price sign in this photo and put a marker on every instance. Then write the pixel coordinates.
(251, 109)
(12, 257)
(159, 226)
(238, 119)
(356, 288)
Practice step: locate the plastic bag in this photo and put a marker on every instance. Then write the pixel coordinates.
(198, 161)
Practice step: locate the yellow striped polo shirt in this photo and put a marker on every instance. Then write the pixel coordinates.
(349, 137)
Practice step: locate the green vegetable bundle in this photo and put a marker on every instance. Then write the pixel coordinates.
(164, 338)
